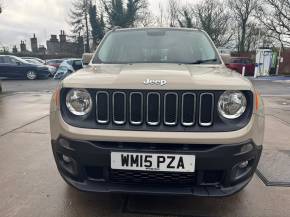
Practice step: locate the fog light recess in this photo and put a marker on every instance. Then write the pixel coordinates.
(65, 144)
(244, 164)
(246, 148)
(66, 159)
(68, 164)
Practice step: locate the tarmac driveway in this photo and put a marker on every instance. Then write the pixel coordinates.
(31, 185)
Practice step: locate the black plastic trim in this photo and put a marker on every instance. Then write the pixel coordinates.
(218, 158)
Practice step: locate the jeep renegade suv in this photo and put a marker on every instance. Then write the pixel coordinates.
(156, 111)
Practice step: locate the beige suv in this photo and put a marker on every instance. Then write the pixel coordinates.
(156, 111)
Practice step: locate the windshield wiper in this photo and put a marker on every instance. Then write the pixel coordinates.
(203, 61)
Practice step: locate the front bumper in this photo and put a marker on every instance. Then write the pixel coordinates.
(217, 168)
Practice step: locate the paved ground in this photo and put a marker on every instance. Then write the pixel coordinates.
(28, 86)
(32, 187)
(273, 87)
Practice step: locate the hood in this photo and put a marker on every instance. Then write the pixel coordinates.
(176, 77)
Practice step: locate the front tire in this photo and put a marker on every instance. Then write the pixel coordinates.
(31, 75)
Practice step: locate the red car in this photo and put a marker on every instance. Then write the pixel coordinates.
(237, 64)
(54, 62)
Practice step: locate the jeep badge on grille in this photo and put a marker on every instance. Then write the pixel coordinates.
(155, 82)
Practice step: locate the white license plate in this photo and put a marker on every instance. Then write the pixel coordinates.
(152, 162)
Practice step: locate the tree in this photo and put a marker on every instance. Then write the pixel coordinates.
(186, 19)
(146, 19)
(173, 11)
(79, 19)
(160, 19)
(119, 15)
(275, 17)
(212, 17)
(97, 24)
(242, 11)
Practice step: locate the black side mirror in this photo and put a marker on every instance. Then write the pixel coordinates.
(18, 63)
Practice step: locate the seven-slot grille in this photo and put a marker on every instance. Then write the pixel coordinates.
(152, 108)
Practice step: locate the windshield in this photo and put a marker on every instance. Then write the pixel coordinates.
(157, 46)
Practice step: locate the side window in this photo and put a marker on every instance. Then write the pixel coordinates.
(70, 62)
(2, 60)
(5, 60)
(78, 63)
(11, 60)
(247, 61)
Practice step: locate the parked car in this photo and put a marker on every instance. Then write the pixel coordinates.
(157, 112)
(237, 64)
(51, 69)
(54, 62)
(15, 67)
(67, 67)
(35, 59)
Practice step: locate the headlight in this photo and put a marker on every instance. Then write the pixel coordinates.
(232, 104)
(79, 102)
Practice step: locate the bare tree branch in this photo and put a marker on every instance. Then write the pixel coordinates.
(212, 17)
(275, 17)
(124, 16)
(242, 11)
(79, 19)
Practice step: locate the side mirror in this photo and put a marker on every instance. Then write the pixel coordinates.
(18, 63)
(87, 58)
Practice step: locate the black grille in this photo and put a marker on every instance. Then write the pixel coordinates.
(206, 109)
(188, 109)
(154, 108)
(161, 178)
(102, 108)
(136, 108)
(170, 109)
(119, 108)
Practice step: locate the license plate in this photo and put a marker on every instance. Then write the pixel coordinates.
(152, 162)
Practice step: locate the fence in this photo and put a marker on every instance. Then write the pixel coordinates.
(284, 67)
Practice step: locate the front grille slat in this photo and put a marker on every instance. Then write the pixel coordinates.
(155, 109)
(102, 107)
(119, 108)
(136, 108)
(206, 108)
(170, 109)
(188, 109)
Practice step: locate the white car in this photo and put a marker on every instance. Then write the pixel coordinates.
(67, 67)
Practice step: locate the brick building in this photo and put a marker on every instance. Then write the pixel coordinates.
(61, 45)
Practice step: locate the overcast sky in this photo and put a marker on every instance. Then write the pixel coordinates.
(21, 18)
